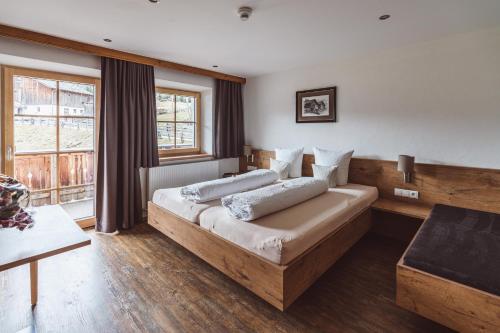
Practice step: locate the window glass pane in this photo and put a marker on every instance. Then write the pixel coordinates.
(34, 96)
(78, 202)
(185, 108)
(76, 99)
(38, 172)
(42, 198)
(164, 107)
(185, 135)
(34, 134)
(165, 135)
(76, 134)
(76, 169)
(69, 181)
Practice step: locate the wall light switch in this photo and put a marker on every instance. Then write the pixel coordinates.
(398, 192)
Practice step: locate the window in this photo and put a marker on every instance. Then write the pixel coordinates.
(45, 145)
(178, 121)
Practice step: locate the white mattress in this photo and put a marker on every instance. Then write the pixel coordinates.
(171, 200)
(282, 236)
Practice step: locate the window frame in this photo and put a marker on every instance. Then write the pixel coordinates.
(171, 152)
(7, 120)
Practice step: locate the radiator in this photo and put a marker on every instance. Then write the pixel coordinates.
(185, 174)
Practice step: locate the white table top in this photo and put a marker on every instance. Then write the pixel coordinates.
(54, 232)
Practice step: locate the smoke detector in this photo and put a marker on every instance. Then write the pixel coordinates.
(244, 13)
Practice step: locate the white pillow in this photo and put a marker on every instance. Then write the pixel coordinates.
(339, 158)
(282, 168)
(326, 173)
(292, 156)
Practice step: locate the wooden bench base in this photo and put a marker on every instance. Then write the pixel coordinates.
(449, 303)
(452, 304)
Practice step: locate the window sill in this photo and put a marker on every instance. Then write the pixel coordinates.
(88, 222)
(185, 159)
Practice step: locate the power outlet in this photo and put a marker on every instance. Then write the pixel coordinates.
(399, 192)
(413, 194)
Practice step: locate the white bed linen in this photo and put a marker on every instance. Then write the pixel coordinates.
(218, 188)
(251, 205)
(292, 156)
(171, 200)
(282, 236)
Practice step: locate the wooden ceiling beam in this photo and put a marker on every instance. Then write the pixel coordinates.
(68, 44)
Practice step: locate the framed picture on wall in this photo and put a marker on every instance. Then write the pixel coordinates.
(316, 106)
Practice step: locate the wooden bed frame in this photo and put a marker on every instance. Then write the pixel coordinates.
(279, 285)
(452, 304)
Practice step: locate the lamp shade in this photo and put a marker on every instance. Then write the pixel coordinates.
(247, 150)
(406, 163)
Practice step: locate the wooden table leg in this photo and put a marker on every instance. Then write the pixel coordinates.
(34, 281)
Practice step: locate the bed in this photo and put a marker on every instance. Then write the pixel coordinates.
(283, 236)
(337, 220)
(450, 273)
(171, 200)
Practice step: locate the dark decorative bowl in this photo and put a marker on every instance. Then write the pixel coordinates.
(13, 196)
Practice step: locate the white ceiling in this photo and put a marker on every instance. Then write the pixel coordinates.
(280, 35)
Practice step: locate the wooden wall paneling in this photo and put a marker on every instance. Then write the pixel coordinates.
(68, 44)
(473, 188)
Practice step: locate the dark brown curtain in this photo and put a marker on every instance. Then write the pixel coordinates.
(229, 136)
(127, 141)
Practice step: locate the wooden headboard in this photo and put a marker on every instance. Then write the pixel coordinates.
(472, 188)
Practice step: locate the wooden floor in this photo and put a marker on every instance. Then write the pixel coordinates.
(140, 281)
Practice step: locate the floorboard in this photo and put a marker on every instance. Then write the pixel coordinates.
(140, 281)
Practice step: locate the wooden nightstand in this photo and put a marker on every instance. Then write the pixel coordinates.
(398, 219)
(403, 208)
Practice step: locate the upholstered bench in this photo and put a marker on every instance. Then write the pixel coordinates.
(450, 273)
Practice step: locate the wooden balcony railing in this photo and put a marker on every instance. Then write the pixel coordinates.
(70, 179)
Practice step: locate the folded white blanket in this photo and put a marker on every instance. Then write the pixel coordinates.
(218, 188)
(251, 205)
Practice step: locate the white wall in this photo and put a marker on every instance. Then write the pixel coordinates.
(18, 53)
(439, 101)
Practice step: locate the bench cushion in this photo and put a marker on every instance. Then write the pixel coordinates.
(461, 245)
